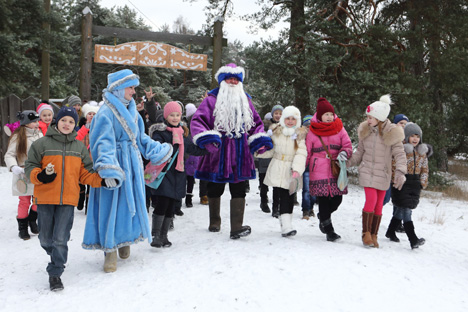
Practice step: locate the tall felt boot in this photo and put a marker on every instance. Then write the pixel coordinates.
(32, 218)
(165, 228)
(23, 228)
(188, 201)
(110, 262)
(214, 204)
(124, 252)
(286, 225)
(415, 242)
(391, 230)
(366, 228)
(237, 218)
(375, 229)
(330, 231)
(156, 231)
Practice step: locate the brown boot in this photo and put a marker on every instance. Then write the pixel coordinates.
(366, 227)
(124, 252)
(214, 204)
(204, 200)
(237, 218)
(110, 262)
(375, 229)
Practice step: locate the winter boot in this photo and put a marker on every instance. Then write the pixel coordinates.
(55, 283)
(165, 228)
(178, 208)
(264, 206)
(188, 201)
(214, 204)
(32, 221)
(330, 231)
(124, 252)
(305, 215)
(375, 229)
(400, 228)
(237, 218)
(286, 225)
(110, 262)
(415, 242)
(82, 198)
(275, 212)
(311, 213)
(366, 227)
(391, 230)
(23, 228)
(156, 231)
(204, 200)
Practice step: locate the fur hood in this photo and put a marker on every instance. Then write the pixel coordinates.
(301, 132)
(421, 149)
(160, 126)
(392, 133)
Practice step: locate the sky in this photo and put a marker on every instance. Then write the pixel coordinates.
(157, 13)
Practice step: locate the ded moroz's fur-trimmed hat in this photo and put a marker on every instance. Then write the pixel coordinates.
(229, 71)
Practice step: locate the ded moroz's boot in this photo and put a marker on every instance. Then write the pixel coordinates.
(23, 228)
(375, 229)
(214, 205)
(237, 218)
(366, 228)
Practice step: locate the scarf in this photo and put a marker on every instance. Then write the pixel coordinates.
(326, 128)
(178, 138)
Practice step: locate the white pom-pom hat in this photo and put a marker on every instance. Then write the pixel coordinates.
(380, 109)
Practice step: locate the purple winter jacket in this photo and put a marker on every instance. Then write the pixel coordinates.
(321, 180)
(233, 161)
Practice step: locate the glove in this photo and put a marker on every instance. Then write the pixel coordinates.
(269, 133)
(46, 178)
(343, 156)
(400, 179)
(262, 150)
(17, 170)
(109, 182)
(294, 136)
(212, 148)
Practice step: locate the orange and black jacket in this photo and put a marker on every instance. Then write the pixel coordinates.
(71, 163)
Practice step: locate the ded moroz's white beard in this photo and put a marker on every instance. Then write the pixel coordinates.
(232, 112)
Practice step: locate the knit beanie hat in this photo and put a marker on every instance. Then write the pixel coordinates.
(172, 107)
(291, 111)
(88, 108)
(74, 100)
(306, 119)
(190, 109)
(27, 116)
(323, 106)
(410, 129)
(67, 111)
(43, 107)
(275, 108)
(399, 118)
(381, 108)
(229, 71)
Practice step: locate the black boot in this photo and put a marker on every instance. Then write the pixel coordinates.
(32, 221)
(188, 201)
(23, 228)
(275, 213)
(391, 230)
(82, 197)
(237, 218)
(400, 228)
(178, 208)
(55, 283)
(165, 228)
(156, 231)
(415, 242)
(265, 208)
(330, 231)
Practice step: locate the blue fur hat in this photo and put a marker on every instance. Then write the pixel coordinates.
(228, 71)
(122, 79)
(67, 111)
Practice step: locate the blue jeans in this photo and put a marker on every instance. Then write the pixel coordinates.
(55, 223)
(307, 200)
(388, 195)
(402, 214)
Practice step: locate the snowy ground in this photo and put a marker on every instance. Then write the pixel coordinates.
(206, 271)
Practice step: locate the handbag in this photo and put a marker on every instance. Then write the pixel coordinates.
(335, 167)
(154, 174)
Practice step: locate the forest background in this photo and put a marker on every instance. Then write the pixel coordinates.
(350, 52)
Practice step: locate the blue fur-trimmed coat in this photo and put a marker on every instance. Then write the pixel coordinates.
(233, 161)
(117, 216)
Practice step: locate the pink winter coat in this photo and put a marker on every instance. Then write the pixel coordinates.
(321, 180)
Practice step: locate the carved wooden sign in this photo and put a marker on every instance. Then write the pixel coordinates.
(151, 54)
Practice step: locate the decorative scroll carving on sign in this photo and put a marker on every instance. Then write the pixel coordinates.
(151, 54)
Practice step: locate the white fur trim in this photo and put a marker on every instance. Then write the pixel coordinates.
(291, 111)
(201, 134)
(230, 70)
(256, 136)
(122, 81)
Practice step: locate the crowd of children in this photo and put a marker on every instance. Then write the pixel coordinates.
(52, 159)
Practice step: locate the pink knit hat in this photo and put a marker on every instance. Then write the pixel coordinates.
(44, 106)
(172, 107)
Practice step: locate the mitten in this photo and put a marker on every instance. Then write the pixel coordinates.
(269, 132)
(109, 182)
(17, 170)
(343, 156)
(46, 178)
(400, 180)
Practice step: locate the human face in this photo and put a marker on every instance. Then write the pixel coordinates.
(174, 119)
(371, 121)
(402, 123)
(89, 116)
(414, 139)
(46, 116)
(277, 115)
(66, 125)
(33, 125)
(140, 105)
(328, 117)
(290, 122)
(129, 92)
(232, 81)
(77, 107)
